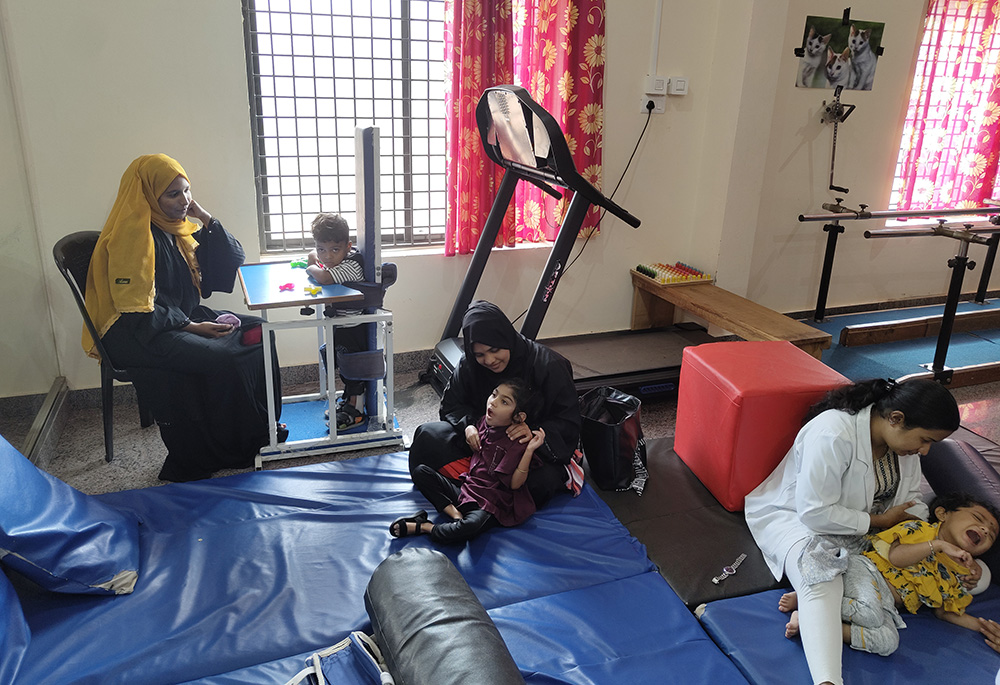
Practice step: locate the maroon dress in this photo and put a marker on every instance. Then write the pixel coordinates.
(487, 483)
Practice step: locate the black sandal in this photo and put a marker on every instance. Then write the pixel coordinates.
(282, 432)
(340, 405)
(402, 530)
(348, 417)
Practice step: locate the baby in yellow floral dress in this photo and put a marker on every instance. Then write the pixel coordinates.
(914, 564)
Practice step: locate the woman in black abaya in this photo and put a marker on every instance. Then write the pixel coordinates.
(203, 379)
(495, 351)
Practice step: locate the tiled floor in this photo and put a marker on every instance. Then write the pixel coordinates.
(76, 455)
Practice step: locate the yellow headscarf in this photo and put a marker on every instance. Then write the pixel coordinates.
(121, 275)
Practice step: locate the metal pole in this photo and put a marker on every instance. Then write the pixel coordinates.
(984, 277)
(958, 265)
(920, 232)
(554, 267)
(482, 253)
(887, 214)
(832, 231)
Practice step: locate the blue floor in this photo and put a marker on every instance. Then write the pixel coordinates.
(306, 421)
(892, 360)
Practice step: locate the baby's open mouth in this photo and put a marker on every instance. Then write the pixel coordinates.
(974, 536)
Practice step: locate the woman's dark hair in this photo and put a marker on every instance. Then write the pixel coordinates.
(953, 501)
(524, 396)
(924, 403)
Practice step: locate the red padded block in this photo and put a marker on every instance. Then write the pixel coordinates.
(739, 407)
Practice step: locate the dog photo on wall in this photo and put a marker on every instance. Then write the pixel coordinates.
(838, 53)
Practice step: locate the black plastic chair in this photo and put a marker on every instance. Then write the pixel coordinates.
(72, 254)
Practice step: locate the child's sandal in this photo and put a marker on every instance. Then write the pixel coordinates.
(399, 529)
(341, 401)
(348, 417)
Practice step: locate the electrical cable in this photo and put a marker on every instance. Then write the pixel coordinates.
(642, 133)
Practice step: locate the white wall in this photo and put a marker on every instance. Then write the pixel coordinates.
(27, 349)
(787, 255)
(718, 180)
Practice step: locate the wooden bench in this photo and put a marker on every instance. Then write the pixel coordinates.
(654, 304)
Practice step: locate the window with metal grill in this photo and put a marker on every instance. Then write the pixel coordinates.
(949, 149)
(317, 69)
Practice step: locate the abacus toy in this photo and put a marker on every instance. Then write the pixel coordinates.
(676, 273)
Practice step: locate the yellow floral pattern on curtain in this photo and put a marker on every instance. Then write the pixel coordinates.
(556, 50)
(949, 149)
(478, 39)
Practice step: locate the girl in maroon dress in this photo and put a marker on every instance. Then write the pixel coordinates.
(491, 493)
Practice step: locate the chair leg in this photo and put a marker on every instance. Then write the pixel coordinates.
(107, 411)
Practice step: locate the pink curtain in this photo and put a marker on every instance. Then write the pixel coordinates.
(478, 44)
(556, 50)
(949, 149)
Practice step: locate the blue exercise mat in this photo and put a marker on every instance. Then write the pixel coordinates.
(634, 630)
(243, 577)
(750, 630)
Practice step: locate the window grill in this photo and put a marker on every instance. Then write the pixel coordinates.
(317, 69)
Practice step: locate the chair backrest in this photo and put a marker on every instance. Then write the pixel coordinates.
(72, 255)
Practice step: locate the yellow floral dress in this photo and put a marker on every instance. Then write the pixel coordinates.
(933, 581)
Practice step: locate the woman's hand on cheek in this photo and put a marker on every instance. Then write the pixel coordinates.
(519, 432)
(196, 211)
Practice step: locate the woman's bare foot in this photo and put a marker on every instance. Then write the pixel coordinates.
(788, 602)
(792, 627)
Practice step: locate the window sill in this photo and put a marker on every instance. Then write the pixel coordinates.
(439, 250)
(414, 251)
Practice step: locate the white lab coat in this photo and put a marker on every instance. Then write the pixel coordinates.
(824, 486)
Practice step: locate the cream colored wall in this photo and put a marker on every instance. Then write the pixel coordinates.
(100, 83)
(27, 350)
(787, 255)
(717, 181)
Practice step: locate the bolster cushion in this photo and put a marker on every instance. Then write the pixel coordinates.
(430, 626)
(956, 466)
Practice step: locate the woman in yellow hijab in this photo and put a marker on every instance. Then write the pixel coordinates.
(200, 371)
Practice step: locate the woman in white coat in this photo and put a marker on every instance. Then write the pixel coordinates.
(854, 467)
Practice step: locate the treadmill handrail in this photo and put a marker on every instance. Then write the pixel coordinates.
(562, 171)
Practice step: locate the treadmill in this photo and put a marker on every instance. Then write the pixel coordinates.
(523, 138)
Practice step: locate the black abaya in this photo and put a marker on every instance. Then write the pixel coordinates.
(464, 401)
(207, 395)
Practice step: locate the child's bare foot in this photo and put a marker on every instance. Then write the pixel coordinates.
(792, 627)
(788, 602)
